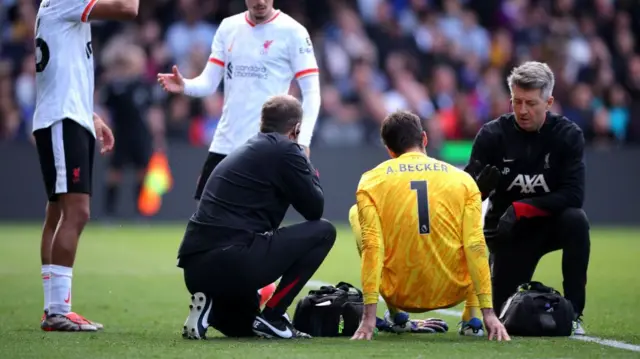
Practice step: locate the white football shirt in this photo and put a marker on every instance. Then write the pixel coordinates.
(64, 63)
(259, 61)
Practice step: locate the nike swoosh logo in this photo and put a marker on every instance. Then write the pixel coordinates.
(282, 333)
(204, 321)
(68, 298)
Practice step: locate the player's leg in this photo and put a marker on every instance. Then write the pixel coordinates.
(471, 323)
(293, 253)
(52, 217)
(209, 165)
(73, 149)
(571, 234)
(52, 212)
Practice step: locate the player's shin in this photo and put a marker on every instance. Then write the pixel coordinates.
(471, 307)
(472, 315)
(51, 220)
(52, 217)
(60, 289)
(75, 214)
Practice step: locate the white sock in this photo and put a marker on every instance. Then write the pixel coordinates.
(60, 289)
(45, 272)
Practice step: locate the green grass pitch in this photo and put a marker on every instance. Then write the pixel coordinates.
(126, 278)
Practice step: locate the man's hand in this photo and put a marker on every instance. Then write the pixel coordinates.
(173, 82)
(494, 326)
(368, 323)
(366, 328)
(486, 177)
(104, 135)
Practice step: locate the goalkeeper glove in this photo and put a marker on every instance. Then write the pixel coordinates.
(401, 323)
(429, 326)
(486, 177)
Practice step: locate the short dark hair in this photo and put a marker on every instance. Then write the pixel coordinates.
(401, 130)
(280, 114)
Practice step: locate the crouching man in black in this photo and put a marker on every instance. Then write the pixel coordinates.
(233, 245)
(529, 164)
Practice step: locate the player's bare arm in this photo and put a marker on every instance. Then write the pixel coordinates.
(114, 9)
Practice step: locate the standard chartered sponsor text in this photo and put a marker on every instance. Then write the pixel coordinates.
(255, 71)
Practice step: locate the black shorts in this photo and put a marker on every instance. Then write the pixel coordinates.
(209, 164)
(66, 151)
(134, 151)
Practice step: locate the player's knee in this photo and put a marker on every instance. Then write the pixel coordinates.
(81, 214)
(75, 208)
(574, 218)
(326, 229)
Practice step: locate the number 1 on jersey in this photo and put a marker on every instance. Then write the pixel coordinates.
(424, 225)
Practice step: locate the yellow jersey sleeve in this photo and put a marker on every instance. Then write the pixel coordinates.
(475, 248)
(372, 247)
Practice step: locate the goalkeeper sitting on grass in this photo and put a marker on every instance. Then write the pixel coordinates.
(418, 225)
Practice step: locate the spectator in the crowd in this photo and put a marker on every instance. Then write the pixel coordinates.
(189, 33)
(444, 60)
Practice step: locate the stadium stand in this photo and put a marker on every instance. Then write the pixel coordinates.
(447, 60)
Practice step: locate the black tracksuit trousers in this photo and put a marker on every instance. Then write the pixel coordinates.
(514, 261)
(232, 275)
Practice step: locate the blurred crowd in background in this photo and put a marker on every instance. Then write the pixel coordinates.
(446, 60)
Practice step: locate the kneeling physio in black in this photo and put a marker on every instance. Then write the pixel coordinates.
(234, 245)
(530, 166)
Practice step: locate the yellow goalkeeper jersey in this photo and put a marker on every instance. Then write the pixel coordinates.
(422, 240)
